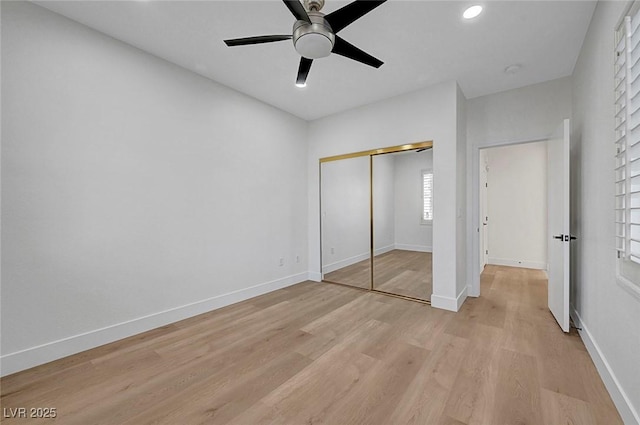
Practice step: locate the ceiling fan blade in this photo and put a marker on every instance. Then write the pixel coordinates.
(297, 9)
(349, 13)
(348, 50)
(303, 71)
(256, 40)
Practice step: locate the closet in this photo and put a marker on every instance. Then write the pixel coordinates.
(376, 210)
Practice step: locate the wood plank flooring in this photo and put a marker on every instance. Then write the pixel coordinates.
(400, 272)
(318, 353)
(358, 275)
(404, 273)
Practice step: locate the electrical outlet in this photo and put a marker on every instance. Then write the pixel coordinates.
(281, 261)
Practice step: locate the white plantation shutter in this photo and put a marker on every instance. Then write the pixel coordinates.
(627, 138)
(427, 195)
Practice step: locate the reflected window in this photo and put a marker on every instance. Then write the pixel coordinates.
(427, 196)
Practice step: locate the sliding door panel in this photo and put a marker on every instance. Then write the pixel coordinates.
(402, 223)
(345, 215)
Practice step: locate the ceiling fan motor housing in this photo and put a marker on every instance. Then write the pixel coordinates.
(313, 40)
(313, 5)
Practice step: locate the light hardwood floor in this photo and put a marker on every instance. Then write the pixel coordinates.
(325, 354)
(358, 275)
(404, 273)
(399, 272)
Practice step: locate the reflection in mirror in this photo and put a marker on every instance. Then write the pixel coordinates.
(402, 223)
(346, 244)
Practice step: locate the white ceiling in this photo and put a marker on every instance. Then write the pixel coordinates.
(421, 42)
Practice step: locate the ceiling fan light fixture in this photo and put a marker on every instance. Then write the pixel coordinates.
(314, 34)
(472, 12)
(313, 40)
(313, 45)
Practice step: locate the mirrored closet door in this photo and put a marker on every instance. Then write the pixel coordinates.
(402, 223)
(376, 220)
(345, 211)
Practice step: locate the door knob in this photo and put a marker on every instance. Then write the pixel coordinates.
(561, 237)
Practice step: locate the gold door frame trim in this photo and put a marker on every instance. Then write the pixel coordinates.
(391, 149)
(379, 292)
(371, 245)
(370, 153)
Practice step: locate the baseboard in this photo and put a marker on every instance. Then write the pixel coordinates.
(448, 303)
(618, 395)
(418, 248)
(384, 250)
(461, 298)
(34, 356)
(315, 276)
(345, 263)
(516, 263)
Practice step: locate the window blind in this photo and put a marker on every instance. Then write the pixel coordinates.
(427, 195)
(627, 138)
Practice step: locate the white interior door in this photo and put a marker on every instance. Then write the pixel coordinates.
(558, 223)
(484, 218)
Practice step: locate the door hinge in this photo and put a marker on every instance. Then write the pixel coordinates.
(564, 238)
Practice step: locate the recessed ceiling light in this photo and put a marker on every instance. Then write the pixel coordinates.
(301, 85)
(472, 12)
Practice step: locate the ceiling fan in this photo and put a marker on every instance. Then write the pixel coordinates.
(315, 35)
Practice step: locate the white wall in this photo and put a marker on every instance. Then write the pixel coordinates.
(132, 188)
(608, 314)
(410, 233)
(517, 205)
(462, 251)
(524, 114)
(428, 114)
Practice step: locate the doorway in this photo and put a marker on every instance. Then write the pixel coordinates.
(557, 215)
(513, 205)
